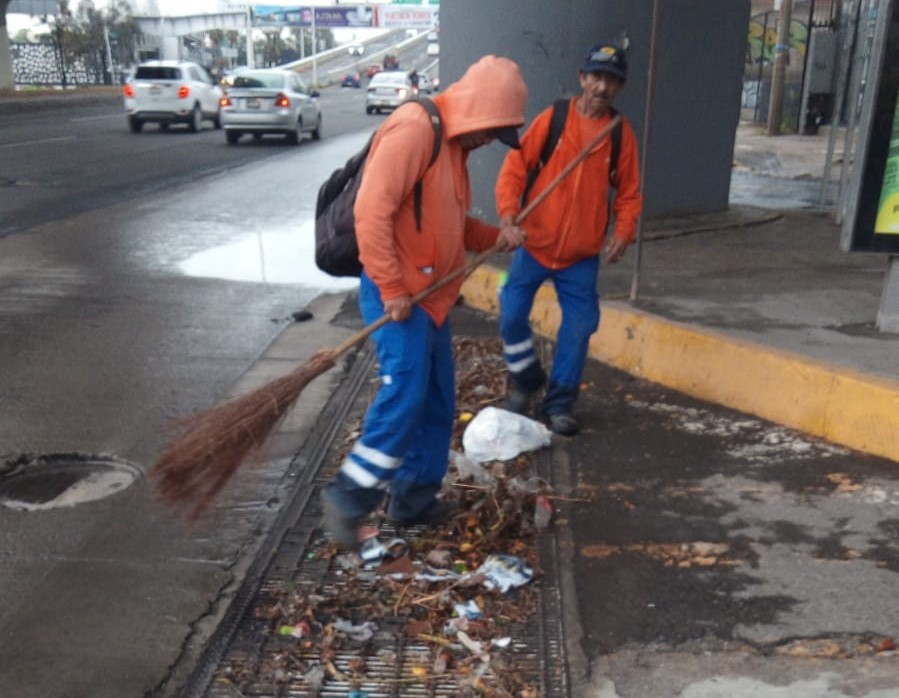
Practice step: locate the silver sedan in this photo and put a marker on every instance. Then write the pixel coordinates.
(270, 101)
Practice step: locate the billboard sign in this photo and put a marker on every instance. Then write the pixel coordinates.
(296, 16)
(406, 16)
(874, 227)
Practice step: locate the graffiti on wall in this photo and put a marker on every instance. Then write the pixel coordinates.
(762, 39)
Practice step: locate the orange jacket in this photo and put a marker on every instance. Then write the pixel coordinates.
(394, 253)
(570, 224)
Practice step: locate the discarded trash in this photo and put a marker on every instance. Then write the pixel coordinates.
(520, 485)
(467, 468)
(469, 610)
(504, 572)
(359, 633)
(543, 512)
(374, 550)
(497, 434)
(299, 630)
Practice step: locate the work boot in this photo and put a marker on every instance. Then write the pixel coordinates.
(343, 530)
(563, 423)
(438, 513)
(518, 401)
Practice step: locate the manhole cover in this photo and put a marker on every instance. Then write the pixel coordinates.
(30, 482)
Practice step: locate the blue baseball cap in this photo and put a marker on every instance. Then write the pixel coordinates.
(606, 58)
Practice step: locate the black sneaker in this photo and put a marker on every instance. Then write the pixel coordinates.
(343, 530)
(563, 423)
(518, 401)
(439, 512)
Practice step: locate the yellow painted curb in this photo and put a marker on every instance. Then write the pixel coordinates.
(857, 410)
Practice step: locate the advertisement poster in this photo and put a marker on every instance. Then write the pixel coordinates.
(875, 227)
(294, 16)
(407, 17)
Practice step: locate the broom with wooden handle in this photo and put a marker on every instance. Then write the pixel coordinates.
(213, 444)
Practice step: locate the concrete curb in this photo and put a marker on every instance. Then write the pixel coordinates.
(860, 411)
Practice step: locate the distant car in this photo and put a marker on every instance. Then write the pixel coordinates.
(387, 90)
(356, 50)
(171, 92)
(433, 48)
(373, 70)
(425, 86)
(351, 80)
(271, 100)
(229, 74)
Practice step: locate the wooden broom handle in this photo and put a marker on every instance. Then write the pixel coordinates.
(479, 259)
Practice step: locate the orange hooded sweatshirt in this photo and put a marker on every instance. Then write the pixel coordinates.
(394, 253)
(570, 224)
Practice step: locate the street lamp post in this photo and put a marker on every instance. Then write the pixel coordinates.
(251, 56)
(314, 53)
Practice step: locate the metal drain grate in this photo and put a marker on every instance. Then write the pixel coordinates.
(247, 645)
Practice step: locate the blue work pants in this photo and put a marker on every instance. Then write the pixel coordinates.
(405, 440)
(579, 301)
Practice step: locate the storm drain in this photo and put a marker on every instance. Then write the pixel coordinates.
(248, 652)
(36, 482)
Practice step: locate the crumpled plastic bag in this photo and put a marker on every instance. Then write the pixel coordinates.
(497, 434)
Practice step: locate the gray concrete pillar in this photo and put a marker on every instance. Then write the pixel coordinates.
(888, 314)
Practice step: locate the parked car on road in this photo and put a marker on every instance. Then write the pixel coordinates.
(387, 90)
(351, 80)
(171, 92)
(271, 100)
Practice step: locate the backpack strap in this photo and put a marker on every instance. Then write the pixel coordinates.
(431, 108)
(616, 147)
(556, 126)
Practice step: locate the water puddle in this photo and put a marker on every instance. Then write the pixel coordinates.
(274, 257)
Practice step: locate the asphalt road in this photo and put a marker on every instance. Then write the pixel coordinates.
(140, 277)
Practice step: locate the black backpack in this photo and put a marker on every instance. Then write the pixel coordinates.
(336, 249)
(556, 125)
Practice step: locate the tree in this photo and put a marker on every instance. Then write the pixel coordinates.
(7, 80)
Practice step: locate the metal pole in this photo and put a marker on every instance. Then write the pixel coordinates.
(856, 91)
(803, 87)
(758, 94)
(644, 151)
(251, 55)
(779, 73)
(314, 52)
(848, 29)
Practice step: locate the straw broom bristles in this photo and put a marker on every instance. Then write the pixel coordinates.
(215, 443)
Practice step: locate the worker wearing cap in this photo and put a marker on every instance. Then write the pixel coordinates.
(565, 235)
(403, 450)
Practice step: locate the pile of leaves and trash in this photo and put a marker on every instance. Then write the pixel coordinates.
(441, 610)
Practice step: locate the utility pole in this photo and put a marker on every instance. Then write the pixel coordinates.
(778, 73)
(251, 54)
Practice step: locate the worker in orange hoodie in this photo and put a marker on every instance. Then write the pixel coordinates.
(566, 233)
(404, 446)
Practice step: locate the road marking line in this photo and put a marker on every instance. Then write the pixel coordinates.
(40, 142)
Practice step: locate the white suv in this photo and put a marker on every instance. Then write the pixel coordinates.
(171, 92)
